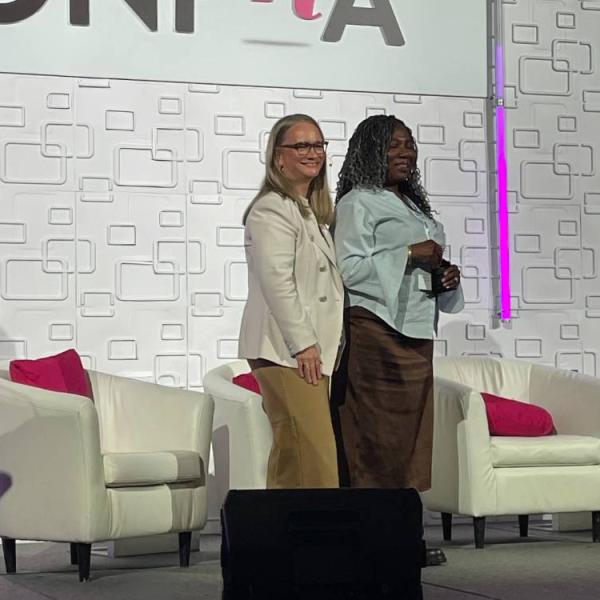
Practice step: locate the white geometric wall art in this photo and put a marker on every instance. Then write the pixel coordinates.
(134, 247)
(553, 53)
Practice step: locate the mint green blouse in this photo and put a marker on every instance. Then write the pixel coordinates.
(373, 230)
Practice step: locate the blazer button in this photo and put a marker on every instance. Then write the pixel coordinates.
(311, 237)
(322, 269)
(323, 299)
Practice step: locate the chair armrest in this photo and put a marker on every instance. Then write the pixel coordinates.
(242, 434)
(137, 416)
(572, 398)
(49, 445)
(242, 441)
(462, 472)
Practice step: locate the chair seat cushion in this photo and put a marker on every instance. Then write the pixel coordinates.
(547, 451)
(152, 468)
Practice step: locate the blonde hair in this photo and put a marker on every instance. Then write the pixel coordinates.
(318, 195)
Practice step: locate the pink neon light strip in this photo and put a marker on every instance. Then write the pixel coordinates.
(501, 167)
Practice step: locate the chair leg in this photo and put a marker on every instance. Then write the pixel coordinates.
(9, 548)
(84, 552)
(73, 549)
(523, 525)
(185, 547)
(479, 530)
(447, 526)
(596, 526)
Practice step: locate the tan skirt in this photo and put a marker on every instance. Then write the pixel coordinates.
(387, 411)
(303, 454)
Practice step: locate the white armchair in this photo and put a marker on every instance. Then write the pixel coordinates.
(479, 475)
(242, 434)
(133, 463)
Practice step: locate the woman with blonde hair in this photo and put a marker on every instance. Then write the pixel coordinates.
(292, 324)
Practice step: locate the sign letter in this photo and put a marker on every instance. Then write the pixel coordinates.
(19, 10)
(380, 15)
(80, 12)
(303, 9)
(146, 11)
(184, 16)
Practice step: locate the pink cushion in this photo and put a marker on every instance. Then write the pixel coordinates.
(511, 417)
(60, 373)
(247, 381)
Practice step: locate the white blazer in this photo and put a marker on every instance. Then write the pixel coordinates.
(295, 293)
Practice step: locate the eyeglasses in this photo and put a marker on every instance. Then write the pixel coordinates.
(303, 148)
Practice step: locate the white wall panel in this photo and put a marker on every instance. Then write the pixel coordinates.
(553, 52)
(152, 179)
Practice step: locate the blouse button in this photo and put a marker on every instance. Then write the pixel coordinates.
(323, 299)
(323, 269)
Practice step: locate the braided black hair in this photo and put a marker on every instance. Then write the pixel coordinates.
(366, 162)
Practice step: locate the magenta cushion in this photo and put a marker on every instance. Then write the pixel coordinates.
(511, 417)
(60, 373)
(247, 381)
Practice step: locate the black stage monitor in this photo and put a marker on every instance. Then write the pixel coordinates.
(322, 543)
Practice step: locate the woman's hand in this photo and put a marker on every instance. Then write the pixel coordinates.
(309, 364)
(427, 255)
(451, 277)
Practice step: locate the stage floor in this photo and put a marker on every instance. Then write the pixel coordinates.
(547, 566)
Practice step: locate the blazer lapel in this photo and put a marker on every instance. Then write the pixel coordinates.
(322, 238)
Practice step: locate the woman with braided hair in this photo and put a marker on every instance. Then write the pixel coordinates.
(389, 248)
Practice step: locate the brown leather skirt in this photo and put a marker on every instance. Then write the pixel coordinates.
(385, 388)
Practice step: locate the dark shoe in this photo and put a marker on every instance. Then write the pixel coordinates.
(434, 557)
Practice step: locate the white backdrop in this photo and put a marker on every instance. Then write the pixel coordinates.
(120, 205)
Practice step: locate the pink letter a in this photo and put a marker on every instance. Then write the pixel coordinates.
(304, 9)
